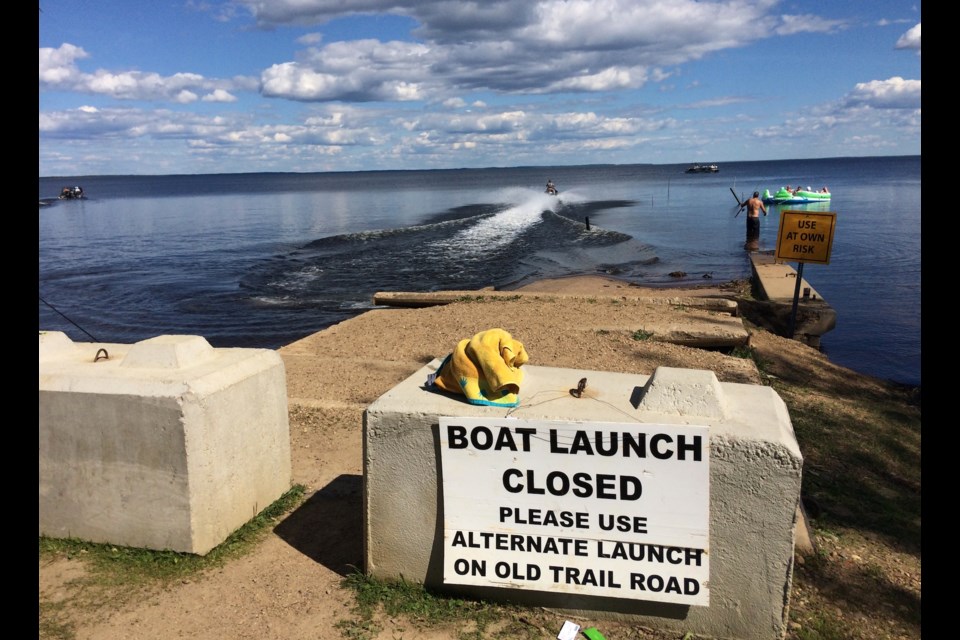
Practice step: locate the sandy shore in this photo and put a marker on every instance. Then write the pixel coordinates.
(581, 323)
(602, 285)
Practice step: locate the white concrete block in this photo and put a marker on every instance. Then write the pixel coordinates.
(168, 352)
(165, 444)
(685, 392)
(754, 477)
(54, 345)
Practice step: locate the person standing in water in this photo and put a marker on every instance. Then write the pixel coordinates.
(754, 206)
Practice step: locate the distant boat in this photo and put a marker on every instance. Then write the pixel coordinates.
(800, 196)
(71, 193)
(703, 168)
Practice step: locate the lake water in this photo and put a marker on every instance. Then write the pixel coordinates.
(261, 260)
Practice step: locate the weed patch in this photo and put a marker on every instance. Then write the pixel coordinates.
(749, 353)
(420, 607)
(118, 565)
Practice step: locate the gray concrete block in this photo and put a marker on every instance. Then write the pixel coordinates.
(164, 444)
(755, 470)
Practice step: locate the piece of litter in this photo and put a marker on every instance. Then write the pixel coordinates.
(593, 634)
(568, 631)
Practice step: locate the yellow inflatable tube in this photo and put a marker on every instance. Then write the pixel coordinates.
(485, 369)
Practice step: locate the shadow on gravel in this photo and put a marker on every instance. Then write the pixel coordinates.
(328, 526)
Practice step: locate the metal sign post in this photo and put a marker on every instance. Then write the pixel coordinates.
(796, 299)
(804, 236)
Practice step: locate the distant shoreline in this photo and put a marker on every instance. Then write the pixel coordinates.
(541, 168)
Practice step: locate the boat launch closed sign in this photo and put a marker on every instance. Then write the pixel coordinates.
(596, 509)
(806, 236)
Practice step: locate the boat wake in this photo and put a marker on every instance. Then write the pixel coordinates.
(522, 235)
(500, 229)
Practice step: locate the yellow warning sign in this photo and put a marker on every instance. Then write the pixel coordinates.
(806, 236)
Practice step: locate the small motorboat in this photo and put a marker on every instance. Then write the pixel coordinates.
(71, 193)
(703, 168)
(799, 196)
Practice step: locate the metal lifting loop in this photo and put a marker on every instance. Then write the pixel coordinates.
(105, 356)
(578, 392)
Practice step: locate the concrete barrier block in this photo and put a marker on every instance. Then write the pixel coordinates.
(168, 352)
(684, 392)
(755, 468)
(164, 444)
(54, 345)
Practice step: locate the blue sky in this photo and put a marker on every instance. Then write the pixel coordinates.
(175, 86)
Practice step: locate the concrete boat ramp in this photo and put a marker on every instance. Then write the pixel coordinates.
(775, 285)
(708, 317)
(694, 321)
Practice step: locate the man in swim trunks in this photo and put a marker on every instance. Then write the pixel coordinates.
(754, 206)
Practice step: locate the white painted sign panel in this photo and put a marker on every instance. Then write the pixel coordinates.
(594, 508)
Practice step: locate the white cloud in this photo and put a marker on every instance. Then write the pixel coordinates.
(310, 39)
(642, 27)
(911, 39)
(646, 31)
(485, 77)
(118, 123)
(505, 46)
(513, 127)
(891, 106)
(57, 66)
(457, 124)
(136, 85)
(361, 71)
(807, 23)
(547, 46)
(219, 95)
(715, 102)
(893, 93)
(610, 79)
(58, 71)
(186, 97)
(883, 22)
(333, 129)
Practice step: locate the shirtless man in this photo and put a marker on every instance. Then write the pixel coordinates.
(754, 206)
